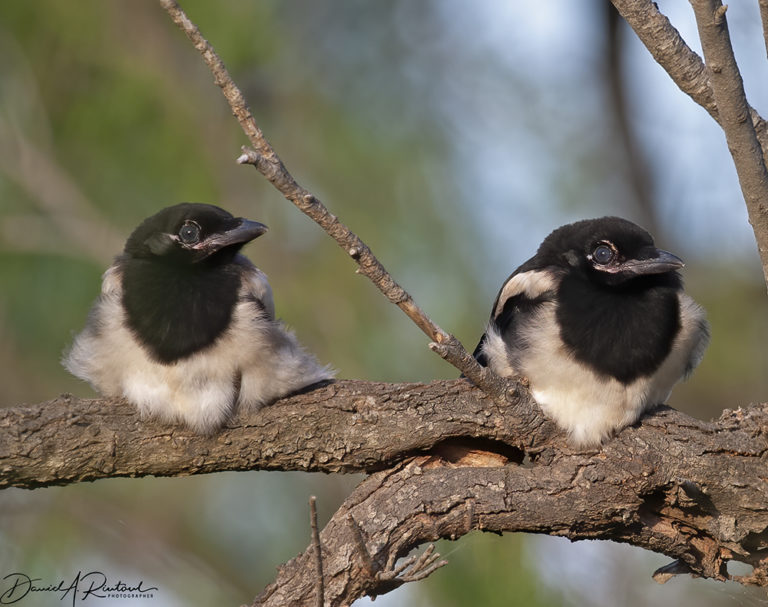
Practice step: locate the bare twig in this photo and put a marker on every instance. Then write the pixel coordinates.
(320, 582)
(265, 159)
(414, 568)
(734, 117)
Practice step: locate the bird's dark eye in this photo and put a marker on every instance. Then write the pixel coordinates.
(189, 233)
(603, 254)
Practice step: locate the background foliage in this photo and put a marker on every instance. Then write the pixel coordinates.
(452, 137)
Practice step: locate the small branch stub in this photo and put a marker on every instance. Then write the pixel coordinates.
(320, 582)
(249, 156)
(720, 14)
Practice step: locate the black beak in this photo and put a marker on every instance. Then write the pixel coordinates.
(244, 232)
(653, 261)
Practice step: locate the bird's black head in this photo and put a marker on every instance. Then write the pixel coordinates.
(181, 279)
(609, 251)
(189, 233)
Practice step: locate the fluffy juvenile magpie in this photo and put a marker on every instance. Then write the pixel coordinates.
(185, 326)
(598, 322)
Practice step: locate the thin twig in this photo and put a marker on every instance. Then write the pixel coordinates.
(320, 582)
(268, 163)
(734, 113)
(414, 568)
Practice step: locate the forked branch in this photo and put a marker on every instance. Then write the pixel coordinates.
(734, 113)
(717, 87)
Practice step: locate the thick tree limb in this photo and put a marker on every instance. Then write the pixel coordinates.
(347, 426)
(693, 491)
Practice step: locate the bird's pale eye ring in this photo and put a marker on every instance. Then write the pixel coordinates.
(189, 233)
(603, 254)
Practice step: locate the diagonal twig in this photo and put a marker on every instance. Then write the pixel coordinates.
(268, 163)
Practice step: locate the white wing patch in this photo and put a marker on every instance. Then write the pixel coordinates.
(532, 284)
(254, 362)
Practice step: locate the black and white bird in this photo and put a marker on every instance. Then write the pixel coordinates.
(185, 325)
(598, 322)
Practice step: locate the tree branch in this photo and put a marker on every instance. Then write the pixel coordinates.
(319, 577)
(686, 490)
(695, 491)
(718, 90)
(346, 426)
(670, 51)
(682, 64)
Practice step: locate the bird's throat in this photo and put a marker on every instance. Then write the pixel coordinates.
(177, 310)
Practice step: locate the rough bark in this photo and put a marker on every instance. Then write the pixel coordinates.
(450, 460)
(346, 426)
(694, 491)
